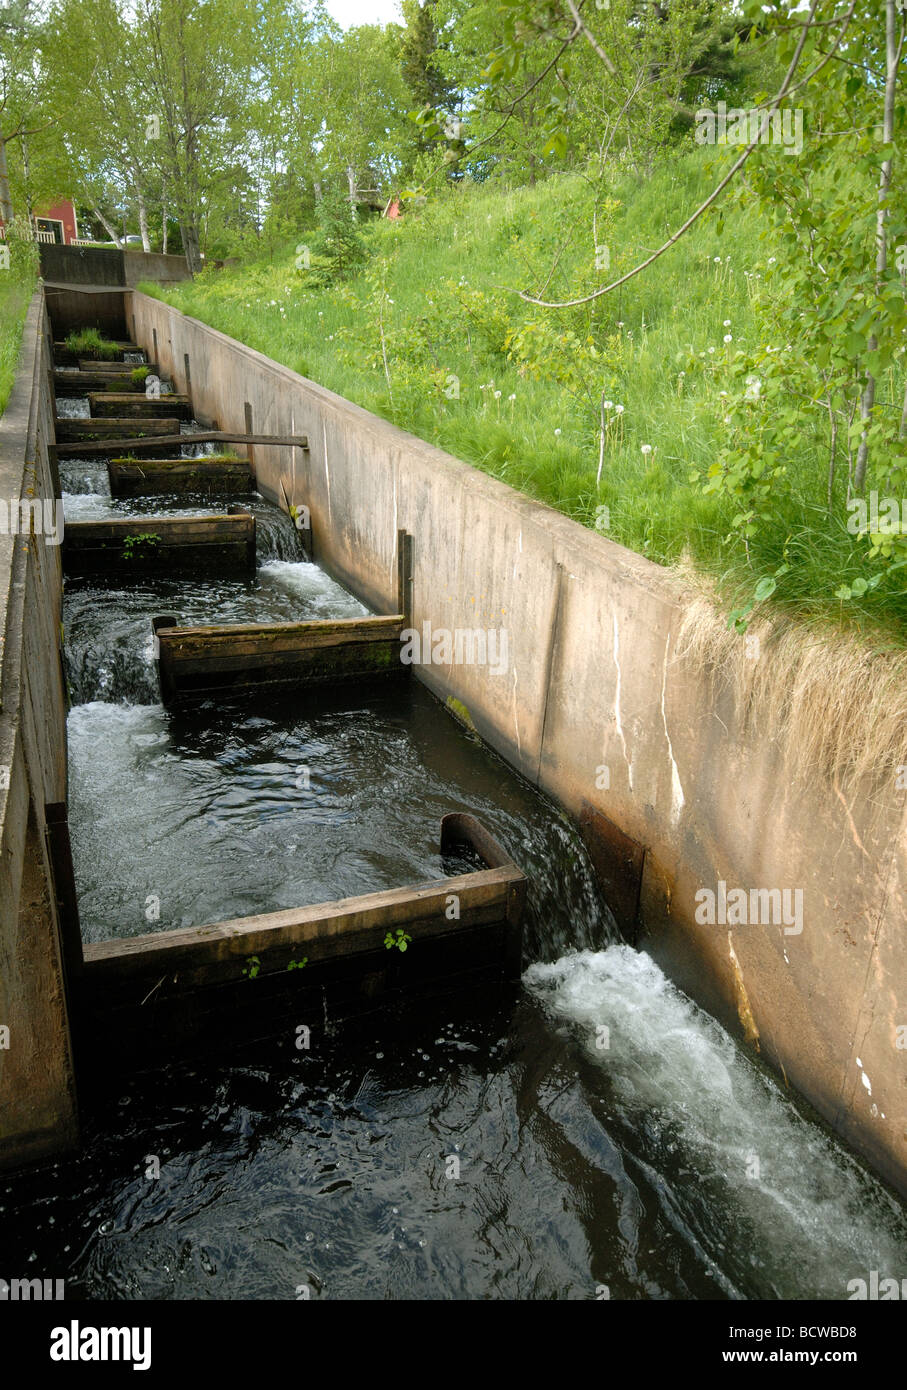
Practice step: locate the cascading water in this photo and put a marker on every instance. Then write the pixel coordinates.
(606, 1131)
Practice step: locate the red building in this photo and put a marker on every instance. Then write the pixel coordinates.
(53, 222)
(59, 218)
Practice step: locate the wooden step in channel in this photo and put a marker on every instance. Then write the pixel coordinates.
(161, 544)
(124, 405)
(202, 661)
(190, 989)
(160, 477)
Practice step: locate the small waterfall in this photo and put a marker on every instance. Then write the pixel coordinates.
(72, 408)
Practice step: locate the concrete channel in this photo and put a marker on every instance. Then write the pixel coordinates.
(571, 666)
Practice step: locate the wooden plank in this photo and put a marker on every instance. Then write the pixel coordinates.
(156, 477)
(119, 404)
(193, 661)
(267, 637)
(96, 366)
(343, 927)
(257, 976)
(142, 1025)
(96, 436)
(298, 441)
(63, 355)
(76, 383)
(211, 543)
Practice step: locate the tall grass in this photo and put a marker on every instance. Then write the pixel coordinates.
(420, 336)
(17, 285)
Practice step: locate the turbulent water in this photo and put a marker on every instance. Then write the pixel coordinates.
(599, 1133)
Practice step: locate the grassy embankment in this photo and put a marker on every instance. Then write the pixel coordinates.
(17, 285)
(433, 300)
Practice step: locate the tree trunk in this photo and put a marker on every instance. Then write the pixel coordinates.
(114, 236)
(26, 177)
(143, 222)
(6, 206)
(191, 247)
(891, 76)
(164, 221)
(351, 180)
(318, 193)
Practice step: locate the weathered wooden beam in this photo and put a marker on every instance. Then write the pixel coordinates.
(156, 477)
(98, 435)
(66, 357)
(72, 382)
(298, 441)
(167, 989)
(195, 661)
(135, 545)
(94, 366)
(122, 405)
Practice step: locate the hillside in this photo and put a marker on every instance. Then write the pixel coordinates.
(427, 331)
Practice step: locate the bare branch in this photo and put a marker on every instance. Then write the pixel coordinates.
(716, 192)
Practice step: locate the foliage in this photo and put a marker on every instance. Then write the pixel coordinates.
(17, 284)
(436, 287)
(338, 240)
(88, 342)
(134, 546)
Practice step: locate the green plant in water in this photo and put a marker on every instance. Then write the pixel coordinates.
(88, 342)
(401, 940)
(252, 967)
(298, 964)
(132, 544)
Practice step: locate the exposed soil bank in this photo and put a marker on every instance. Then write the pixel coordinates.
(594, 703)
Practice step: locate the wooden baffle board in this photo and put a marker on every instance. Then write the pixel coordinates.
(167, 993)
(105, 405)
(67, 358)
(114, 368)
(110, 436)
(69, 381)
(161, 544)
(200, 661)
(211, 477)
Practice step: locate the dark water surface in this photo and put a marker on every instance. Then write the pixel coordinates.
(595, 1129)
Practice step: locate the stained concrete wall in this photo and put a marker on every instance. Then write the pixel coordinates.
(151, 265)
(108, 265)
(593, 682)
(37, 1090)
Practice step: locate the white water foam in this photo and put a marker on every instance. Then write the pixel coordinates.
(746, 1172)
(322, 596)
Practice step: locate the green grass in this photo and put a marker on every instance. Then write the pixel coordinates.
(436, 299)
(17, 285)
(88, 342)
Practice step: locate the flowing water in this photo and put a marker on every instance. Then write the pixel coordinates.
(597, 1131)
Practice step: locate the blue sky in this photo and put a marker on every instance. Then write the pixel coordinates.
(350, 12)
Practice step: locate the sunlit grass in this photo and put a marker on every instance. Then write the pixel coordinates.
(528, 428)
(17, 285)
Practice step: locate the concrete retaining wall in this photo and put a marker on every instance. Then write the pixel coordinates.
(37, 1091)
(151, 265)
(108, 265)
(593, 682)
